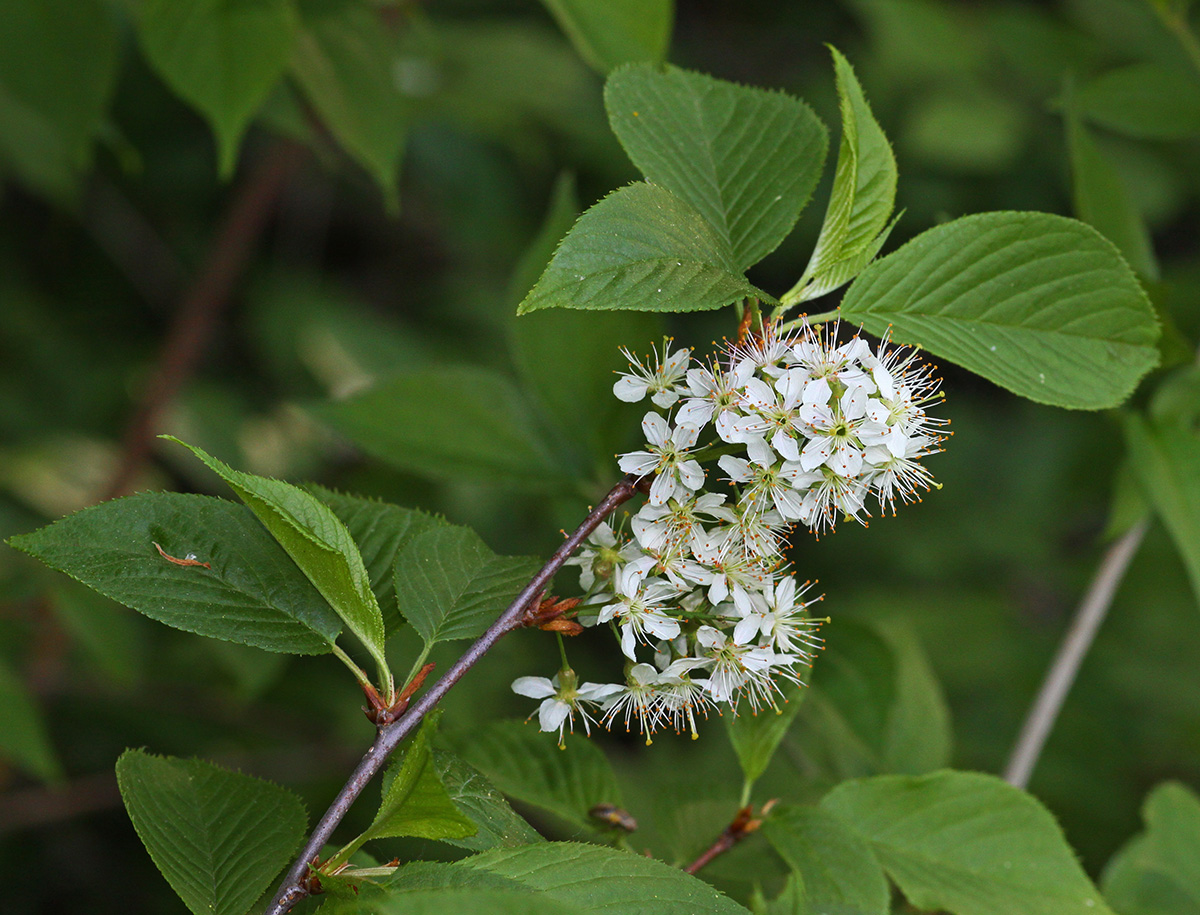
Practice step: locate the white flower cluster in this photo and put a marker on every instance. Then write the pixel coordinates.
(807, 430)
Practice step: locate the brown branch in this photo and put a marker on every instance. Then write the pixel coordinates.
(295, 883)
(196, 318)
(744, 823)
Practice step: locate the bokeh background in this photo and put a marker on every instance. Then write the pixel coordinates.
(270, 294)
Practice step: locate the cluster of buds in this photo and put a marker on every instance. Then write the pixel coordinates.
(806, 430)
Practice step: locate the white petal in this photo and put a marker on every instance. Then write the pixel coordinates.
(685, 436)
(788, 502)
(662, 626)
(691, 474)
(656, 429)
(746, 630)
(737, 468)
(760, 452)
(846, 460)
(785, 445)
(665, 399)
(883, 378)
(662, 488)
(533, 687)
(694, 413)
(726, 425)
(816, 453)
(817, 391)
(630, 388)
(639, 462)
(552, 714)
(627, 643)
(759, 393)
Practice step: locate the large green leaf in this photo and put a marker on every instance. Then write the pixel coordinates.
(219, 837)
(379, 530)
(746, 159)
(641, 248)
(840, 874)
(860, 204)
(1040, 304)
(513, 899)
(449, 423)
(1102, 201)
(1147, 100)
(24, 740)
(318, 543)
(497, 823)
(528, 765)
(1166, 460)
(221, 57)
(1158, 872)
(58, 66)
(346, 62)
(756, 737)
(967, 843)
(252, 593)
(607, 33)
(449, 585)
(604, 880)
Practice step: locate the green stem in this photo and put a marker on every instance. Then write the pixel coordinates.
(417, 664)
(747, 787)
(359, 674)
(810, 320)
(562, 651)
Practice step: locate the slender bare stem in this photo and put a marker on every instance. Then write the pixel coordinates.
(1075, 645)
(294, 888)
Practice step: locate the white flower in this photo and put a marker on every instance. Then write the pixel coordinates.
(562, 699)
(636, 701)
(637, 609)
(735, 668)
(600, 554)
(658, 381)
(832, 425)
(715, 393)
(667, 459)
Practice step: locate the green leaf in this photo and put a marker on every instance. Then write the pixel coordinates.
(415, 803)
(746, 159)
(379, 530)
(755, 737)
(449, 423)
(219, 837)
(24, 740)
(512, 900)
(1158, 872)
(1166, 459)
(252, 593)
(1102, 201)
(644, 249)
(528, 765)
(839, 871)
(875, 705)
(496, 822)
(318, 543)
(222, 58)
(1041, 305)
(608, 33)
(58, 67)
(860, 204)
(346, 60)
(967, 843)
(604, 880)
(1147, 100)
(449, 585)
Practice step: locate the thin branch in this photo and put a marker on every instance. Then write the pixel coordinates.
(196, 318)
(294, 885)
(1075, 645)
(744, 823)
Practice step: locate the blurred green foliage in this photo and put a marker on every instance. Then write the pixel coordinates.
(395, 246)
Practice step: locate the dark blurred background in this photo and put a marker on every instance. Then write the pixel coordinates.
(105, 245)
